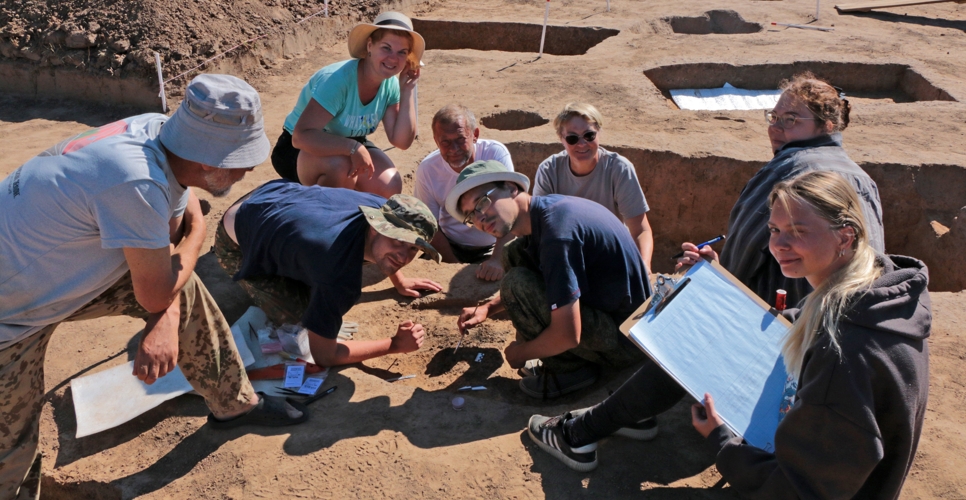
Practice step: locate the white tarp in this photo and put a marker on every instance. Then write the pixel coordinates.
(112, 397)
(725, 98)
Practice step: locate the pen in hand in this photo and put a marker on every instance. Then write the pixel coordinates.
(712, 241)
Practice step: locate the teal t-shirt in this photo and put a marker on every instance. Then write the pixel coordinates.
(336, 88)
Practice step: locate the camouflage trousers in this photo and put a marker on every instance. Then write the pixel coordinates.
(284, 300)
(524, 295)
(206, 354)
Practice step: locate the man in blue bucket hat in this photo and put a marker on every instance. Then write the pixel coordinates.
(103, 224)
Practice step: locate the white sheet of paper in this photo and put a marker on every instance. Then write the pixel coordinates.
(109, 398)
(712, 337)
(725, 98)
(294, 375)
(311, 385)
(254, 318)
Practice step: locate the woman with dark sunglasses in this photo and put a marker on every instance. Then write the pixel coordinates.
(586, 170)
(805, 130)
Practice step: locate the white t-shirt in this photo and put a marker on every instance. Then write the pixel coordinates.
(613, 183)
(434, 180)
(67, 214)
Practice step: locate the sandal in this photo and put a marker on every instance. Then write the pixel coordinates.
(270, 412)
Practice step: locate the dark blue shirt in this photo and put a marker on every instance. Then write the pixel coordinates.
(312, 234)
(584, 252)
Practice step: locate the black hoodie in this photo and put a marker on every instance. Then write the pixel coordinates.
(853, 431)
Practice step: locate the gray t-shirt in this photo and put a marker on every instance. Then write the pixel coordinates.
(613, 183)
(67, 214)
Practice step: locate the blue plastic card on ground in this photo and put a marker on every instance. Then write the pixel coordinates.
(716, 336)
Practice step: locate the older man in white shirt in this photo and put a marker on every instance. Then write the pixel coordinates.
(458, 137)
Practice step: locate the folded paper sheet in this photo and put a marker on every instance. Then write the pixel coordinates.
(717, 338)
(112, 397)
(725, 98)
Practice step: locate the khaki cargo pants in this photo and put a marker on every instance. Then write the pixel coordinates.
(206, 354)
(524, 295)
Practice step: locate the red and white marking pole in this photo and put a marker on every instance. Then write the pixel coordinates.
(327, 7)
(543, 36)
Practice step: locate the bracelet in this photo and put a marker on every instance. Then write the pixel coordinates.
(355, 148)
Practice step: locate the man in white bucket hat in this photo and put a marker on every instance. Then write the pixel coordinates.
(102, 224)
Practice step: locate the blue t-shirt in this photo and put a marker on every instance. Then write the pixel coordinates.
(312, 234)
(584, 252)
(336, 88)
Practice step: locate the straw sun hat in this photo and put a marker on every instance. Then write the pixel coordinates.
(359, 35)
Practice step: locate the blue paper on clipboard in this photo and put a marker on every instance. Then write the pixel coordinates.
(717, 337)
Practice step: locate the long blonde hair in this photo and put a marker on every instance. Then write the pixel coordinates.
(835, 201)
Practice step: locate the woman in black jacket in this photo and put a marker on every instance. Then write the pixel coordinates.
(854, 426)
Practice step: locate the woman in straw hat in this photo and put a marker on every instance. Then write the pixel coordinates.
(324, 141)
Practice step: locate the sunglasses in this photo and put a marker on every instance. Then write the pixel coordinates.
(481, 206)
(589, 136)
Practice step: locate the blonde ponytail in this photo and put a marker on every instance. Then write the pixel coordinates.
(834, 200)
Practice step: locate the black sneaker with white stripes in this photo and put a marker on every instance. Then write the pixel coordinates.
(547, 432)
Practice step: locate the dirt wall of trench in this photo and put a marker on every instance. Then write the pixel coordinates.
(691, 199)
(83, 75)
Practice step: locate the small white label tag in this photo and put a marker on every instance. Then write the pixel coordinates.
(293, 375)
(310, 386)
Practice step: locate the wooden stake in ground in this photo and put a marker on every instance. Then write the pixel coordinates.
(867, 6)
(164, 99)
(543, 35)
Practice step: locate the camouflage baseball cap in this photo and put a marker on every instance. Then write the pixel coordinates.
(405, 218)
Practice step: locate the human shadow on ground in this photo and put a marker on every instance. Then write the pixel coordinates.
(920, 20)
(16, 108)
(426, 419)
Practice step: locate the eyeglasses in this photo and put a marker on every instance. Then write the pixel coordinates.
(783, 121)
(481, 206)
(589, 136)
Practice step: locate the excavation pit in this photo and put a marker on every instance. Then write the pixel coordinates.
(513, 119)
(717, 22)
(896, 82)
(510, 37)
(923, 215)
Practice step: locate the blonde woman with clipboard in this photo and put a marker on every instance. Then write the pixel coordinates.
(855, 423)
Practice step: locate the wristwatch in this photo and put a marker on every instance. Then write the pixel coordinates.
(355, 148)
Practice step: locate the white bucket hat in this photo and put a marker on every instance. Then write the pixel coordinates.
(218, 124)
(359, 36)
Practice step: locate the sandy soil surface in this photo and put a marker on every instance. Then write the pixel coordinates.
(402, 440)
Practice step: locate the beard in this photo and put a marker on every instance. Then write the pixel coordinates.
(459, 164)
(219, 182)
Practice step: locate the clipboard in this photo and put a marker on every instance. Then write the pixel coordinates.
(713, 334)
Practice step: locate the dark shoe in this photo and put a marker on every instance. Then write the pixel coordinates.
(270, 412)
(531, 368)
(547, 432)
(548, 384)
(644, 430)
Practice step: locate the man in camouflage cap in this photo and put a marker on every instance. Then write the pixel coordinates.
(299, 250)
